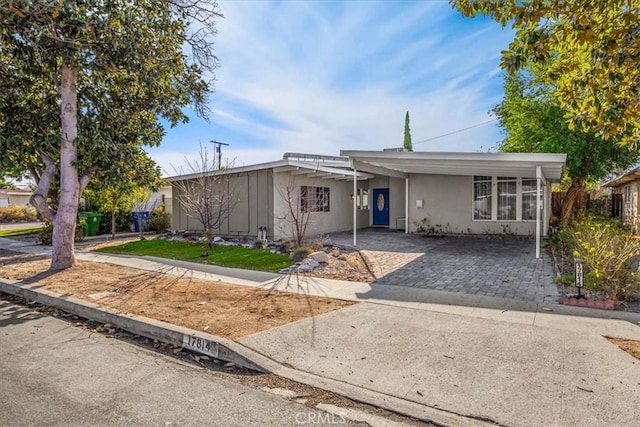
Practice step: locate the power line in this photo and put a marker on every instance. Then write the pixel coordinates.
(455, 131)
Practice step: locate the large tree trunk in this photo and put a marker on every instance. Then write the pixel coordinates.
(64, 224)
(113, 224)
(573, 200)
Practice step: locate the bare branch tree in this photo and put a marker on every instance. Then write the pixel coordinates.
(301, 202)
(205, 191)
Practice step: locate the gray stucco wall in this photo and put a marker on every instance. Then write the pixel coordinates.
(253, 196)
(339, 217)
(448, 201)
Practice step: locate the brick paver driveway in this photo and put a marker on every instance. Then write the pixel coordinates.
(495, 266)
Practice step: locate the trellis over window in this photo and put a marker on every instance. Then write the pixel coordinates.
(505, 198)
(314, 199)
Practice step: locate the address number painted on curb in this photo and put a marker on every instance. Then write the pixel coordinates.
(200, 345)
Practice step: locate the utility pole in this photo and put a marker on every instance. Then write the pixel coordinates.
(218, 150)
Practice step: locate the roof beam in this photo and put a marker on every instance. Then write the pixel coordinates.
(377, 170)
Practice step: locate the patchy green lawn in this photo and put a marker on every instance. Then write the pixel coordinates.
(225, 256)
(19, 232)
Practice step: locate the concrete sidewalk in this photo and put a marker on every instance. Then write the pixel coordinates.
(510, 373)
(513, 364)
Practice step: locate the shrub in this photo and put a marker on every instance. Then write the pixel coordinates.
(18, 214)
(46, 233)
(123, 222)
(159, 220)
(299, 253)
(607, 250)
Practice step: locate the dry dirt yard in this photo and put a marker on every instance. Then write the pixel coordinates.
(222, 309)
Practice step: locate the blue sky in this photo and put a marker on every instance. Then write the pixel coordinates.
(320, 76)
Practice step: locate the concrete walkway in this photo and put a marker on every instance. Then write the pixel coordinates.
(520, 363)
(513, 374)
(492, 266)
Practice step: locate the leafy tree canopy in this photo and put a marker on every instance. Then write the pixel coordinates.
(533, 121)
(82, 85)
(591, 50)
(6, 184)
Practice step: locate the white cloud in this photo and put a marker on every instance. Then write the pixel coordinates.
(323, 76)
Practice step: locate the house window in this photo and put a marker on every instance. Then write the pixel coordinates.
(362, 198)
(529, 190)
(314, 199)
(507, 199)
(627, 194)
(482, 205)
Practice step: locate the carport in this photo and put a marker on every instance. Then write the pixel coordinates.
(436, 184)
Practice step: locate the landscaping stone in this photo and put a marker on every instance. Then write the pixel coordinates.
(310, 262)
(304, 268)
(319, 256)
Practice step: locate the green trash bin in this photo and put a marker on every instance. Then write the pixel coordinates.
(91, 222)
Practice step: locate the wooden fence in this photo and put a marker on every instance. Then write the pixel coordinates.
(607, 206)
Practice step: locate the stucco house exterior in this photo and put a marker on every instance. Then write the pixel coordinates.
(163, 196)
(628, 185)
(461, 193)
(14, 197)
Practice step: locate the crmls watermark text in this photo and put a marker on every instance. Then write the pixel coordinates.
(319, 418)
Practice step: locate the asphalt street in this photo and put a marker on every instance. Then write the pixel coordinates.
(55, 374)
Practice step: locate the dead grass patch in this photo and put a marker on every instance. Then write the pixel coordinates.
(630, 346)
(222, 309)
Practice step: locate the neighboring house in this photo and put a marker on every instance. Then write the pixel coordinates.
(14, 198)
(627, 185)
(155, 199)
(465, 193)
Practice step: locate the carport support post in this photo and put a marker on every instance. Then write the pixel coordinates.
(355, 206)
(406, 205)
(538, 179)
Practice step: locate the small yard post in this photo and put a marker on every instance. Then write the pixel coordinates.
(579, 273)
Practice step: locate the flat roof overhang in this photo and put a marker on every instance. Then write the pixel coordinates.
(401, 164)
(338, 170)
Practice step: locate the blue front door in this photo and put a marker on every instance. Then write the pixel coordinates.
(381, 206)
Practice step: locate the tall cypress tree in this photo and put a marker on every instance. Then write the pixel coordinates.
(407, 134)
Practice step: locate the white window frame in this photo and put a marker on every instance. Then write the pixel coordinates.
(360, 200)
(494, 201)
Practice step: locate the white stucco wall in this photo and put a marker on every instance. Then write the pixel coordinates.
(448, 201)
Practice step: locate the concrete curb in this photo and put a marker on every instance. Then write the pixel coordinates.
(211, 345)
(231, 351)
